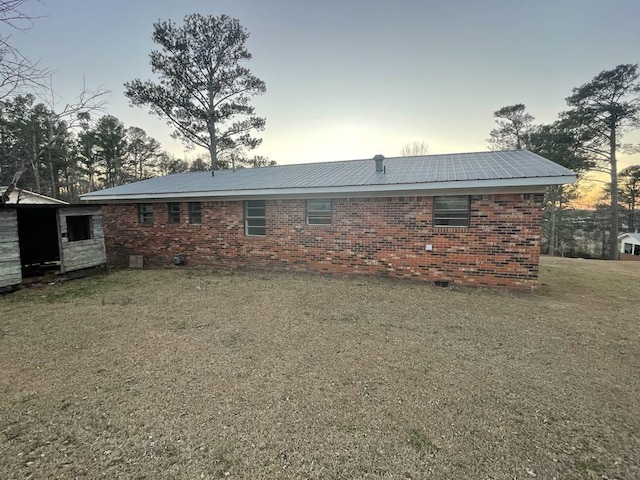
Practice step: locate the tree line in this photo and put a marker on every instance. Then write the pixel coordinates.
(203, 90)
(586, 137)
(63, 157)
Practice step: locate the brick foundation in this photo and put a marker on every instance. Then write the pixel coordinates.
(379, 236)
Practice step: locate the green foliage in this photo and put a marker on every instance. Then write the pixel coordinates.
(629, 187)
(585, 138)
(602, 110)
(222, 461)
(114, 155)
(34, 145)
(143, 152)
(516, 130)
(513, 124)
(198, 165)
(63, 155)
(110, 146)
(590, 464)
(558, 144)
(168, 165)
(419, 440)
(203, 90)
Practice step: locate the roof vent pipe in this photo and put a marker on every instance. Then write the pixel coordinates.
(379, 159)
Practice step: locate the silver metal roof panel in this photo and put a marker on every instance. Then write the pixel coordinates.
(426, 172)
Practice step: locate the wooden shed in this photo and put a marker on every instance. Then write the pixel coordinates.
(37, 239)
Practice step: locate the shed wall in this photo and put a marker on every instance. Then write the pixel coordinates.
(83, 253)
(10, 267)
(380, 236)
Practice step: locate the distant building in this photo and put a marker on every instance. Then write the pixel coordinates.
(629, 246)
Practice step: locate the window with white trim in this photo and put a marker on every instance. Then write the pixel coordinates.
(254, 218)
(319, 211)
(451, 211)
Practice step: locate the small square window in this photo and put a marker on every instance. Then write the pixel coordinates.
(319, 211)
(173, 208)
(145, 211)
(451, 211)
(78, 227)
(195, 213)
(254, 218)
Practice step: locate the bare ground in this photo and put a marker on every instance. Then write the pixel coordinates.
(205, 374)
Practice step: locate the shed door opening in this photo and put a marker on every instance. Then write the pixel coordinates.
(39, 249)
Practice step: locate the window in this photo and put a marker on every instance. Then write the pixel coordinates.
(145, 210)
(174, 212)
(627, 248)
(78, 228)
(254, 217)
(195, 213)
(451, 211)
(319, 211)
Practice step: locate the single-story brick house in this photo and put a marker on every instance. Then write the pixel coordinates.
(468, 218)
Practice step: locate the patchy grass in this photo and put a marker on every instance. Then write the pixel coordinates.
(420, 441)
(203, 374)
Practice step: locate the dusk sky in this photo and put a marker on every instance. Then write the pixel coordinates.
(350, 79)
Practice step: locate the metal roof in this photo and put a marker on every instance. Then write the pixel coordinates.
(24, 196)
(482, 170)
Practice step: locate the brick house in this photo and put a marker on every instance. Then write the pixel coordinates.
(470, 218)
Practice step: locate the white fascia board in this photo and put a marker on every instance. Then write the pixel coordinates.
(516, 185)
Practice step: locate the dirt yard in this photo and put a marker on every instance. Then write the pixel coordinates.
(203, 374)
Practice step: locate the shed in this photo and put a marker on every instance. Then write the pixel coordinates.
(48, 238)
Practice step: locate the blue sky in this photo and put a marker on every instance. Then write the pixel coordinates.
(350, 79)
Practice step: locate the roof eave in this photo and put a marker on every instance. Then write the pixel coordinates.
(468, 186)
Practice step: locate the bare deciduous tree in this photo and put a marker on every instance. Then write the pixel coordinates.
(18, 74)
(419, 147)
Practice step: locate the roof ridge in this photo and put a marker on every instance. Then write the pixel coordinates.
(397, 157)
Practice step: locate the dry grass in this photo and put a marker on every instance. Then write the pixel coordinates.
(200, 374)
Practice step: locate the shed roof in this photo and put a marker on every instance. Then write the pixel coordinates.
(23, 196)
(460, 171)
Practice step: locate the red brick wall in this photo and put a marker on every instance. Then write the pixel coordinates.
(381, 236)
(629, 257)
